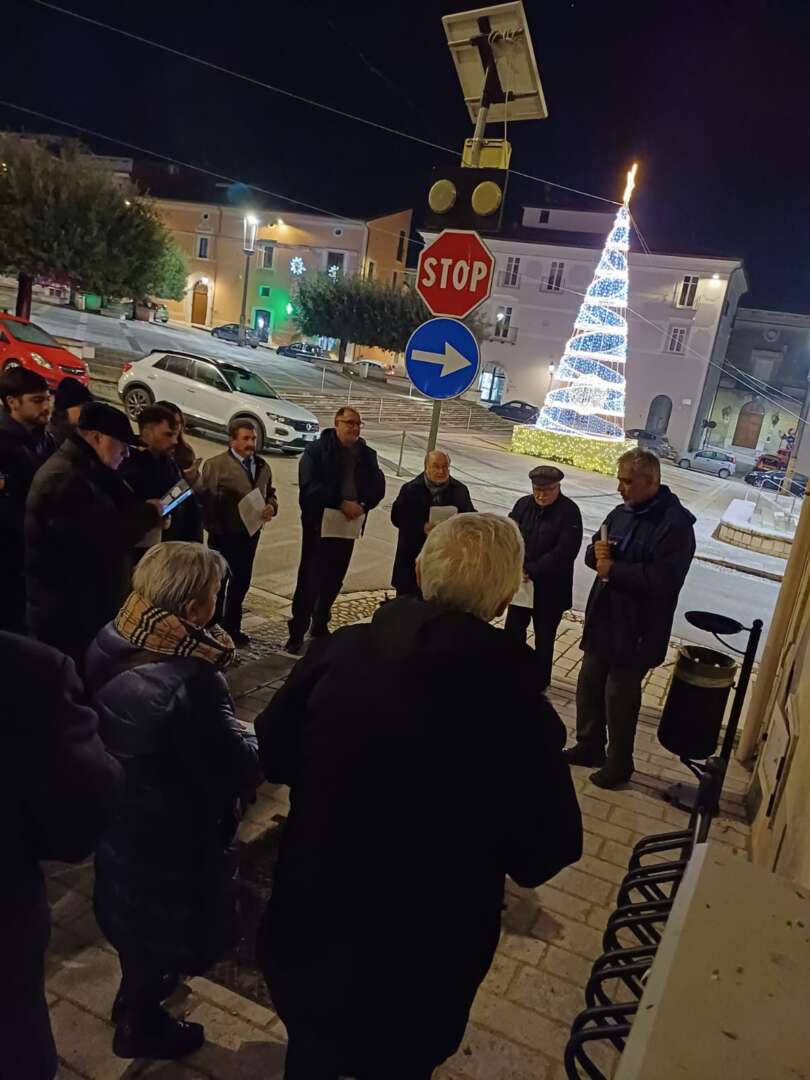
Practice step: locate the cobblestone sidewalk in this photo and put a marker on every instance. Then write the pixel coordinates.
(521, 1016)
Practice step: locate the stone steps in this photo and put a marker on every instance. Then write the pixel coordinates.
(391, 411)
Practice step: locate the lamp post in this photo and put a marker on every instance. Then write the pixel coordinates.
(249, 226)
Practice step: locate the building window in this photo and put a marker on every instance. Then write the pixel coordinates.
(687, 293)
(370, 270)
(503, 321)
(202, 247)
(676, 341)
(264, 290)
(511, 277)
(335, 263)
(401, 246)
(555, 277)
(266, 256)
(544, 216)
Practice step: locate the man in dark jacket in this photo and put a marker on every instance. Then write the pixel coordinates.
(24, 445)
(551, 526)
(82, 523)
(337, 473)
(387, 735)
(57, 792)
(68, 400)
(640, 568)
(150, 470)
(412, 513)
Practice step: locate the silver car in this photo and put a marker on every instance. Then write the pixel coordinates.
(719, 462)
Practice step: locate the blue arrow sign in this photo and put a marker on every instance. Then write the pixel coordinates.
(442, 358)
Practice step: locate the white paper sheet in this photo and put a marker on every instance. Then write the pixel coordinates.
(336, 526)
(438, 514)
(524, 597)
(251, 508)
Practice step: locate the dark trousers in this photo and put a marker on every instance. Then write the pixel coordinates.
(323, 567)
(12, 601)
(608, 701)
(26, 1042)
(239, 552)
(308, 1059)
(546, 624)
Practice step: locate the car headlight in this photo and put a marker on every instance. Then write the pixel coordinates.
(41, 360)
(278, 419)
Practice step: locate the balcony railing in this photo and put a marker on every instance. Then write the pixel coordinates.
(506, 335)
(506, 279)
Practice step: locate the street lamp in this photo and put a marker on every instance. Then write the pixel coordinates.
(249, 226)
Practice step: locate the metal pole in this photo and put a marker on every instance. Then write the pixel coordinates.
(379, 418)
(480, 126)
(243, 314)
(401, 452)
(746, 668)
(469, 419)
(323, 378)
(349, 398)
(434, 426)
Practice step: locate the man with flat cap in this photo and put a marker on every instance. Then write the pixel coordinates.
(551, 526)
(82, 522)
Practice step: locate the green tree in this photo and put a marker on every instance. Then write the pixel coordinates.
(170, 274)
(62, 215)
(352, 309)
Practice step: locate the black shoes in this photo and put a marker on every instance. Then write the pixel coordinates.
(168, 985)
(294, 646)
(240, 640)
(611, 776)
(582, 754)
(319, 630)
(161, 1036)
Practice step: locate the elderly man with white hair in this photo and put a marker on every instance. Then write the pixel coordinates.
(165, 887)
(418, 782)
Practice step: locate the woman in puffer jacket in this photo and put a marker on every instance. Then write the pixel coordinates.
(165, 891)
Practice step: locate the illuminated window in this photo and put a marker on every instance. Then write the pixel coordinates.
(687, 293)
(503, 321)
(266, 256)
(555, 277)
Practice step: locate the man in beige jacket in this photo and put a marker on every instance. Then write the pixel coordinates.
(226, 480)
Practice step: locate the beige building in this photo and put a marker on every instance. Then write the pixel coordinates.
(289, 245)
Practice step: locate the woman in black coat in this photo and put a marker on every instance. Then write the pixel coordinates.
(165, 891)
(417, 783)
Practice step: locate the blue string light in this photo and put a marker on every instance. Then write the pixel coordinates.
(588, 393)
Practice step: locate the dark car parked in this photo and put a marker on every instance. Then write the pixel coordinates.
(301, 350)
(520, 411)
(772, 481)
(230, 332)
(652, 440)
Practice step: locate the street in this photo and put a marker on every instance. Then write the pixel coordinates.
(495, 477)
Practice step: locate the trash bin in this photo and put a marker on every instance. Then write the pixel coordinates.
(696, 703)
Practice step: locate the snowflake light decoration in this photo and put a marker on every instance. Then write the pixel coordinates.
(297, 266)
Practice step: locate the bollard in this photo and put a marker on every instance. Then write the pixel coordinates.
(401, 452)
(323, 378)
(349, 398)
(469, 419)
(379, 418)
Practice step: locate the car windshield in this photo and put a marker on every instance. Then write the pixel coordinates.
(247, 382)
(29, 333)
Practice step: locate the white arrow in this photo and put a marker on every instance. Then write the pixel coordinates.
(451, 359)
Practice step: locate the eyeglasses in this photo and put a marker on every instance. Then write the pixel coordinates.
(351, 423)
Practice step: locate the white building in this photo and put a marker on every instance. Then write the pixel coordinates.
(680, 314)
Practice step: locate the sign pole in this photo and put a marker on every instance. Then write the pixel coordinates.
(434, 426)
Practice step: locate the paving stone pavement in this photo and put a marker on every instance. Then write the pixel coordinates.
(522, 1014)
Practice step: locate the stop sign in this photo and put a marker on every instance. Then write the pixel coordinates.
(454, 274)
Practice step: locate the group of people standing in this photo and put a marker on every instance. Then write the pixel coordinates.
(386, 733)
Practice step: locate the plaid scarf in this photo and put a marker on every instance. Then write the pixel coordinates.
(157, 630)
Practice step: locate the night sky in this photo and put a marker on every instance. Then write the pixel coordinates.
(711, 97)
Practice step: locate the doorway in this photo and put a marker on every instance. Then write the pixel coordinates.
(199, 303)
(491, 385)
(262, 323)
(749, 425)
(659, 414)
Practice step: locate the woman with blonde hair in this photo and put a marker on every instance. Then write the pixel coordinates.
(165, 888)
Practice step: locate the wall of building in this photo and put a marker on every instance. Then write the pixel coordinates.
(386, 259)
(542, 321)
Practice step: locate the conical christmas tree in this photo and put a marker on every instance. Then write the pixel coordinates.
(587, 395)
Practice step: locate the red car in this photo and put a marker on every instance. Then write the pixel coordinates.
(24, 344)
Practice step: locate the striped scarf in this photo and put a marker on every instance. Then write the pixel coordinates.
(159, 631)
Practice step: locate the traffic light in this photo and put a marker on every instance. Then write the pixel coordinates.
(465, 198)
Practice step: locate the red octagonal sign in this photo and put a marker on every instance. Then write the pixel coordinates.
(455, 272)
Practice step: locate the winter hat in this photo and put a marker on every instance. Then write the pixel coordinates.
(70, 392)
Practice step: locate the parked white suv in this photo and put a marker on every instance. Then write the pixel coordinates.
(212, 393)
